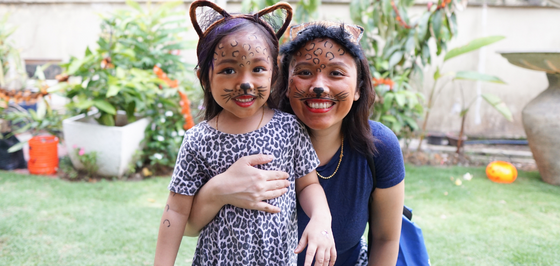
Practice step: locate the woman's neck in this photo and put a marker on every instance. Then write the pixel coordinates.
(326, 143)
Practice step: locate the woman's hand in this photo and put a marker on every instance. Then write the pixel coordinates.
(319, 240)
(245, 186)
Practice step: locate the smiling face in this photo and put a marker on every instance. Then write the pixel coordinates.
(322, 84)
(241, 75)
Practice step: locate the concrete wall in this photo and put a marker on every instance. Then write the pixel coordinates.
(58, 29)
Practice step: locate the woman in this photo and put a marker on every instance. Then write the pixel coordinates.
(325, 81)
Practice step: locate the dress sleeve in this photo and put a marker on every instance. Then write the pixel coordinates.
(389, 163)
(305, 158)
(190, 172)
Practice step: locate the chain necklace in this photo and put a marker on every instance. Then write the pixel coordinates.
(338, 165)
(262, 116)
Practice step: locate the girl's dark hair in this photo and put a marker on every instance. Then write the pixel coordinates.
(207, 46)
(355, 125)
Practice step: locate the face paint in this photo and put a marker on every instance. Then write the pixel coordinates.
(240, 79)
(322, 78)
(167, 222)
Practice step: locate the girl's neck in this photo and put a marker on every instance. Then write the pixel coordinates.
(326, 142)
(231, 124)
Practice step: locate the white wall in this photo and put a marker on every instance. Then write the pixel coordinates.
(58, 29)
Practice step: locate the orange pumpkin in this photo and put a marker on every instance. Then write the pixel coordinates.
(501, 172)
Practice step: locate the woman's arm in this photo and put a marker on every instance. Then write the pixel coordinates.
(386, 216)
(173, 220)
(317, 235)
(242, 185)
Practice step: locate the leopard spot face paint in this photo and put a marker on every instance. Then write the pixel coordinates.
(241, 76)
(322, 83)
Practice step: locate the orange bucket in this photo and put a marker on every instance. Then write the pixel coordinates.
(43, 155)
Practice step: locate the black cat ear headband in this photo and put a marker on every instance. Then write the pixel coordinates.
(275, 18)
(347, 35)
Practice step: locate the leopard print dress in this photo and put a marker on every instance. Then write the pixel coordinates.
(239, 236)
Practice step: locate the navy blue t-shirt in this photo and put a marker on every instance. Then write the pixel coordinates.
(349, 190)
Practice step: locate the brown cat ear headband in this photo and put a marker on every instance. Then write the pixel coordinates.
(275, 18)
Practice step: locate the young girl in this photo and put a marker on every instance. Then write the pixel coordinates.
(237, 66)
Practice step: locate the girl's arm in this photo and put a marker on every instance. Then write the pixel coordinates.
(317, 236)
(173, 220)
(386, 216)
(243, 186)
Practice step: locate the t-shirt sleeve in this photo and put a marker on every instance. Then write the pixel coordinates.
(389, 163)
(305, 158)
(190, 173)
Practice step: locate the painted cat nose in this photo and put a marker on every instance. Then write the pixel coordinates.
(318, 91)
(245, 87)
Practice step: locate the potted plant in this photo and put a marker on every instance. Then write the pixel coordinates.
(115, 91)
(44, 123)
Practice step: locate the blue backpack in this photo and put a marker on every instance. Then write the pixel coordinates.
(412, 250)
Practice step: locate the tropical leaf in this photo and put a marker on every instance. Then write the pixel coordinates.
(105, 106)
(498, 104)
(473, 75)
(472, 46)
(18, 146)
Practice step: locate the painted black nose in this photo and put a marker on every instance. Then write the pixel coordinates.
(245, 87)
(318, 91)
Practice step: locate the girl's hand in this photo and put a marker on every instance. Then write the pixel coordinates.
(245, 186)
(319, 240)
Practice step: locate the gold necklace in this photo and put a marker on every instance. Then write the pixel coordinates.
(339, 160)
(262, 116)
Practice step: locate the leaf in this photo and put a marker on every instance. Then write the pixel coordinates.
(83, 104)
(61, 86)
(389, 118)
(498, 104)
(437, 75)
(400, 99)
(75, 66)
(41, 110)
(473, 75)
(413, 125)
(395, 58)
(105, 106)
(18, 146)
(113, 90)
(423, 25)
(388, 100)
(472, 45)
(106, 119)
(436, 23)
(134, 5)
(410, 43)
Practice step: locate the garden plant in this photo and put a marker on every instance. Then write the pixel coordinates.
(398, 49)
(491, 99)
(119, 75)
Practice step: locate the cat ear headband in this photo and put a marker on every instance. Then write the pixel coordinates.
(276, 17)
(347, 35)
(354, 32)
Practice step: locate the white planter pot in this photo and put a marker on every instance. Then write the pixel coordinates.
(115, 146)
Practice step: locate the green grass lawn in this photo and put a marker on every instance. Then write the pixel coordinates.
(46, 221)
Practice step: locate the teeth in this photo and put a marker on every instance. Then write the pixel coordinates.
(323, 105)
(244, 100)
